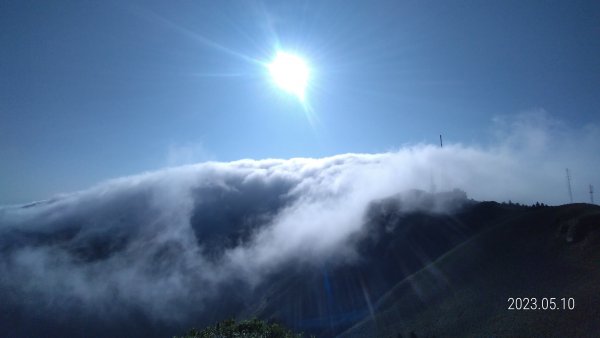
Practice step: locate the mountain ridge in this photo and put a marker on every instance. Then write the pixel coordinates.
(420, 264)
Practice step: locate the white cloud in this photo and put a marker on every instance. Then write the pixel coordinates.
(169, 240)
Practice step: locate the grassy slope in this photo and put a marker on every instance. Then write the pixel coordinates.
(464, 292)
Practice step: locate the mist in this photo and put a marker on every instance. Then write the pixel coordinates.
(165, 244)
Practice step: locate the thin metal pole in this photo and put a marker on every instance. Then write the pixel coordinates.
(569, 186)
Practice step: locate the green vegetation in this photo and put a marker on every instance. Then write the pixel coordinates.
(253, 328)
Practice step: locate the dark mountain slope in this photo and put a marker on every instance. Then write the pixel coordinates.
(544, 252)
(327, 299)
(431, 264)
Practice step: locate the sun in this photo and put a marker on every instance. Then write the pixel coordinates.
(291, 73)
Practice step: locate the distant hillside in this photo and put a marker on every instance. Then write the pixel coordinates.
(436, 274)
(521, 252)
(418, 264)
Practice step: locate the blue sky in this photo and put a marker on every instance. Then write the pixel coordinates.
(95, 90)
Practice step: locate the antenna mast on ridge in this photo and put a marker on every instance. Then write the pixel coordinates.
(569, 186)
(591, 194)
(441, 143)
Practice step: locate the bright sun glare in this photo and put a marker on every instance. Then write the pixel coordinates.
(291, 73)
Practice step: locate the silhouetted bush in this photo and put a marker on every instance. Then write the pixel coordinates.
(253, 328)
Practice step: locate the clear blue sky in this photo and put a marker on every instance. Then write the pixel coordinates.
(91, 90)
